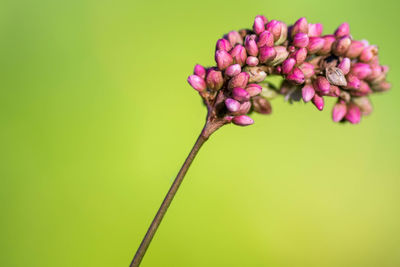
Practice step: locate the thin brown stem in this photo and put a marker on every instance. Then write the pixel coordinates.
(210, 127)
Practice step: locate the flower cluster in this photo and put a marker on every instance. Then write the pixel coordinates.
(312, 65)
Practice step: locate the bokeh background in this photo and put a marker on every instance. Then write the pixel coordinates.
(97, 117)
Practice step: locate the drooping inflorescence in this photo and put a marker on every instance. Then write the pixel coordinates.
(312, 65)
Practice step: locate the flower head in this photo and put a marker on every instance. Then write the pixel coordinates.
(313, 66)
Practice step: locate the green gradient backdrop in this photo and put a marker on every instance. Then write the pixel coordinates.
(96, 119)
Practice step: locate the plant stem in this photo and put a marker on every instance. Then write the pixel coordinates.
(209, 128)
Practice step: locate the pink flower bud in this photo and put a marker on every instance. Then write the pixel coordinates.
(251, 46)
(296, 76)
(307, 69)
(342, 30)
(322, 85)
(239, 80)
(240, 94)
(315, 30)
(352, 82)
(334, 91)
(234, 38)
(223, 59)
(315, 44)
(353, 114)
(345, 65)
(232, 105)
(239, 54)
(326, 49)
(339, 111)
(233, 70)
(361, 70)
(363, 90)
(267, 54)
(287, 65)
(275, 28)
(283, 33)
(307, 92)
(369, 53)
(242, 120)
(197, 82)
(376, 71)
(318, 102)
(301, 26)
(341, 46)
(281, 55)
(261, 105)
(244, 108)
(214, 79)
(200, 71)
(223, 44)
(364, 104)
(355, 49)
(301, 40)
(258, 26)
(252, 61)
(265, 39)
(253, 89)
(300, 55)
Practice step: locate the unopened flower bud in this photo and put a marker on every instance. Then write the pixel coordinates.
(300, 26)
(267, 54)
(242, 120)
(252, 61)
(275, 28)
(244, 108)
(223, 59)
(361, 70)
(296, 76)
(341, 46)
(307, 69)
(234, 38)
(353, 114)
(223, 44)
(251, 46)
(281, 55)
(339, 111)
(232, 105)
(239, 80)
(315, 30)
(307, 92)
(239, 54)
(283, 33)
(287, 65)
(355, 49)
(334, 91)
(214, 80)
(335, 76)
(376, 71)
(345, 65)
(261, 105)
(265, 39)
(256, 74)
(364, 104)
(368, 53)
(301, 40)
(315, 44)
(253, 89)
(342, 30)
(318, 102)
(382, 86)
(352, 82)
(197, 82)
(327, 48)
(258, 26)
(200, 71)
(240, 94)
(300, 55)
(363, 90)
(322, 85)
(233, 70)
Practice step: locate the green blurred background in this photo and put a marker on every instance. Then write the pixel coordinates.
(97, 118)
